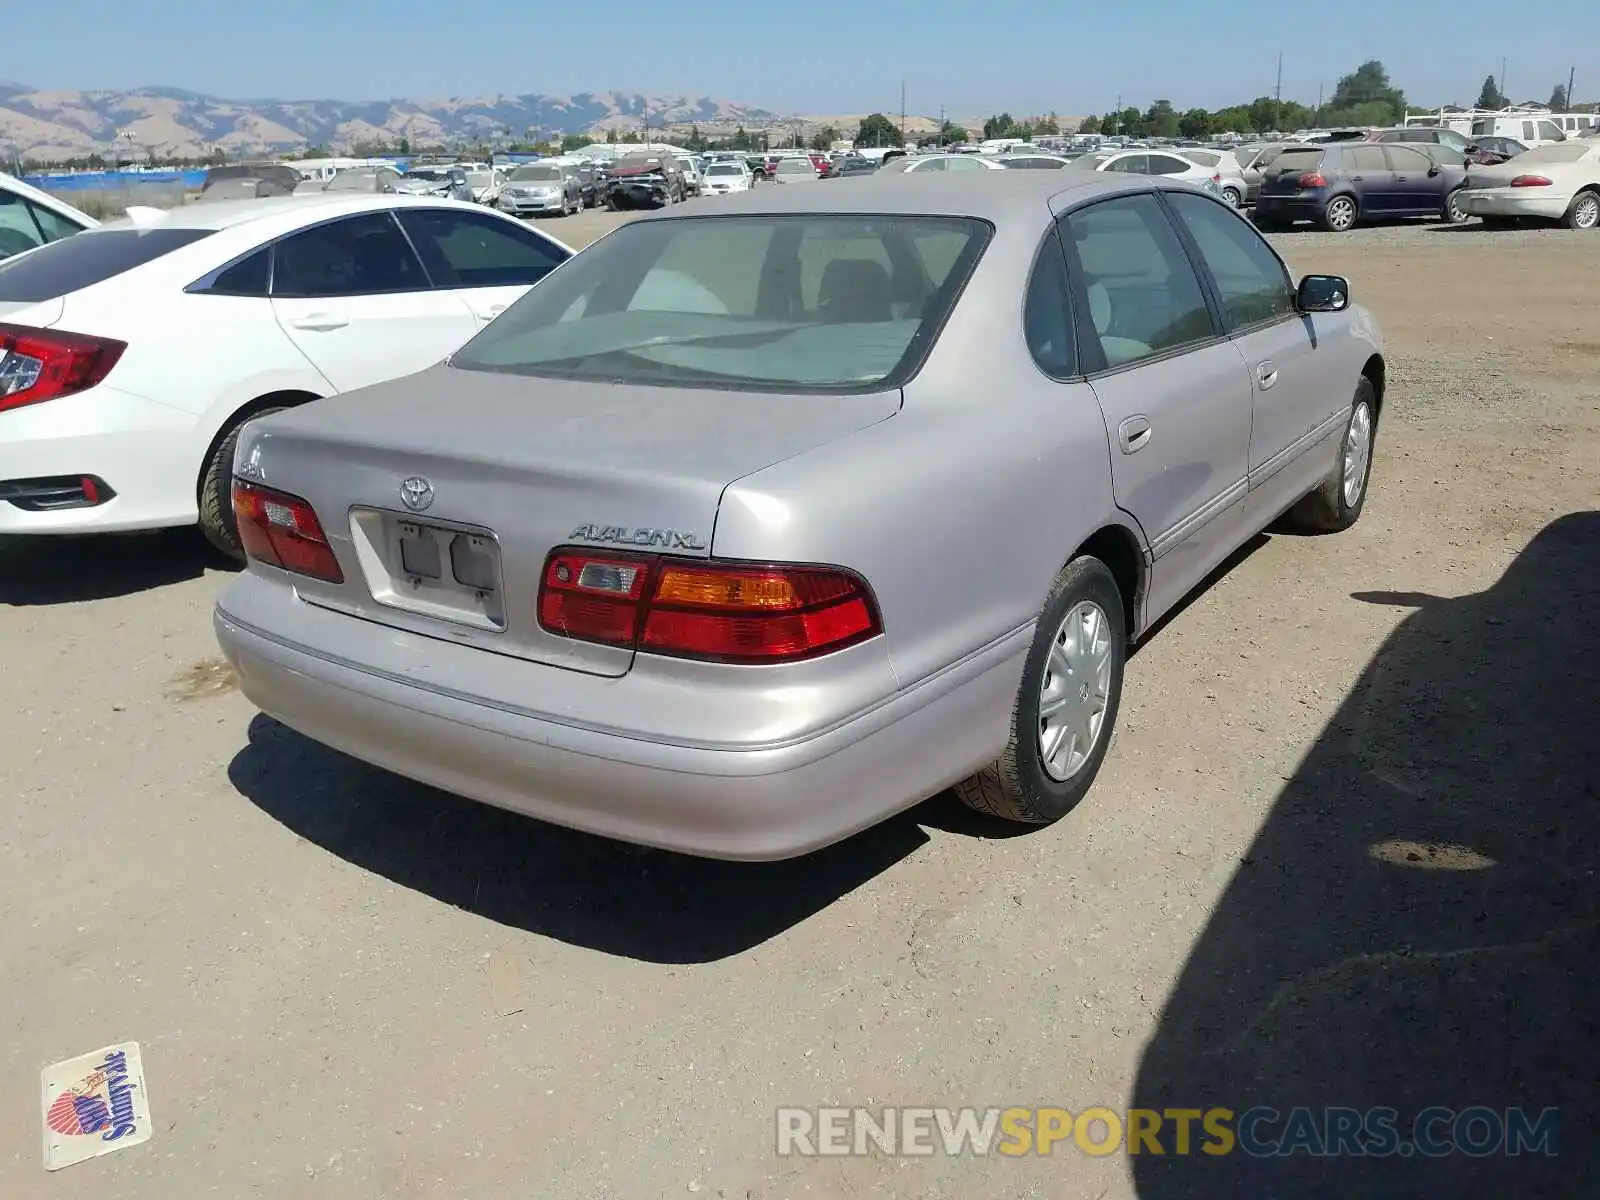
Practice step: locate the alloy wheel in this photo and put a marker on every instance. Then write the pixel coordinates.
(1075, 691)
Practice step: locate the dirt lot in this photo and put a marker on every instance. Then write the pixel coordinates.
(348, 986)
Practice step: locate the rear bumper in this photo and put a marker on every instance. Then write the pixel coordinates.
(757, 804)
(148, 454)
(1290, 208)
(1514, 202)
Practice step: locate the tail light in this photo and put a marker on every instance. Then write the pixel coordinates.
(1216, 179)
(283, 531)
(719, 612)
(1531, 181)
(1312, 179)
(43, 364)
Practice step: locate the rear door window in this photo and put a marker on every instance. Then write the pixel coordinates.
(1408, 161)
(18, 229)
(1549, 131)
(471, 250)
(84, 260)
(52, 224)
(1367, 159)
(358, 256)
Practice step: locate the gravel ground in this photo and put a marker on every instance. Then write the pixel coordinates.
(350, 986)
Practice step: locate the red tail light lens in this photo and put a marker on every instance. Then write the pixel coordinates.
(1531, 181)
(42, 364)
(721, 612)
(1313, 179)
(283, 531)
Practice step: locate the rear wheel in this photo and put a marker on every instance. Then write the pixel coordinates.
(1066, 704)
(1584, 211)
(217, 520)
(1452, 213)
(1232, 196)
(1339, 214)
(1337, 502)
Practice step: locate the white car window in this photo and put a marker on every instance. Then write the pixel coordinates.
(18, 230)
(963, 164)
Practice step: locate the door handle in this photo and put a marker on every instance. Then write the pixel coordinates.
(493, 311)
(1267, 375)
(1358, 179)
(1134, 434)
(320, 322)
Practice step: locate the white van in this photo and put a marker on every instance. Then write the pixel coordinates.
(1531, 129)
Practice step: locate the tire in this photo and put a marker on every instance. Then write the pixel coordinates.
(1339, 214)
(1336, 503)
(1452, 213)
(1232, 196)
(1584, 211)
(1019, 786)
(217, 521)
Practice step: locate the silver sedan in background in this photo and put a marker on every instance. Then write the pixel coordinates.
(750, 527)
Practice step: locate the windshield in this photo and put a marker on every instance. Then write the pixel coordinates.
(793, 303)
(723, 169)
(430, 176)
(536, 174)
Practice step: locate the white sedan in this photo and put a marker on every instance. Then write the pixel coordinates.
(1557, 182)
(132, 354)
(1154, 162)
(30, 218)
(723, 178)
(941, 162)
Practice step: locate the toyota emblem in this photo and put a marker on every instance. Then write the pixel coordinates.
(416, 493)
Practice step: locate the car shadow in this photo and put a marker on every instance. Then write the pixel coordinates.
(63, 570)
(1478, 227)
(1418, 920)
(581, 889)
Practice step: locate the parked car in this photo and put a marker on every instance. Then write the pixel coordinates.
(266, 304)
(271, 179)
(723, 178)
(1559, 182)
(1488, 151)
(486, 184)
(853, 166)
(537, 189)
(794, 170)
(645, 574)
(928, 163)
(377, 181)
(1339, 184)
(644, 179)
(1437, 135)
(30, 218)
(759, 167)
(1226, 172)
(692, 181)
(444, 183)
(1530, 129)
(1152, 162)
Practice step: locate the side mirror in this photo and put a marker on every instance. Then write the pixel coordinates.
(1322, 293)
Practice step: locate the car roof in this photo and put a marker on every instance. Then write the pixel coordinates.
(995, 196)
(289, 211)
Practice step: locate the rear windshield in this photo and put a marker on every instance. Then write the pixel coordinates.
(1556, 152)
(86, 259)
(1293, 162)
(793, 303)
(430, 176)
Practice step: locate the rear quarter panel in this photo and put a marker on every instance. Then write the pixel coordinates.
(961, 509)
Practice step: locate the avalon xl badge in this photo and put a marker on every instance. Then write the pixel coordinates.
(416, 493)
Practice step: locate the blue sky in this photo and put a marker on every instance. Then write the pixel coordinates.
(820, 56)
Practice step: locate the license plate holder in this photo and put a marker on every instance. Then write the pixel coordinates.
(443, 570)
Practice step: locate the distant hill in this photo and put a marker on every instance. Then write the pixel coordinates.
(172, 123)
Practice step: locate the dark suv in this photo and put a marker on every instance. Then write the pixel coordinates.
(1339, 184)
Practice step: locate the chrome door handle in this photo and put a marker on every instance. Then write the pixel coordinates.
(1267, 375)
(1134, 434)
(320, 322)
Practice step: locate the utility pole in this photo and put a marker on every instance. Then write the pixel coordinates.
(1503, 95)
(902, 111)
(1118, 122)
(1571, 75)
(1316, 120)
(1277, 96)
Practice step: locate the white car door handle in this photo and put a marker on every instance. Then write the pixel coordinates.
(1134, 434)
(1267, 375)
(320, 321)
(492, 311)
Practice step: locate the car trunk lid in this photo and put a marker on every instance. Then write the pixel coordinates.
(511, 467)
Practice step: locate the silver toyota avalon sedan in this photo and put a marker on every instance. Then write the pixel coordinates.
(757, 522)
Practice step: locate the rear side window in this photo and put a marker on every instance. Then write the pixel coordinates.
(86, 259)
(469, 250)
(1047, 315)
(358, 256)
(1165, 164)
(247, 277)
